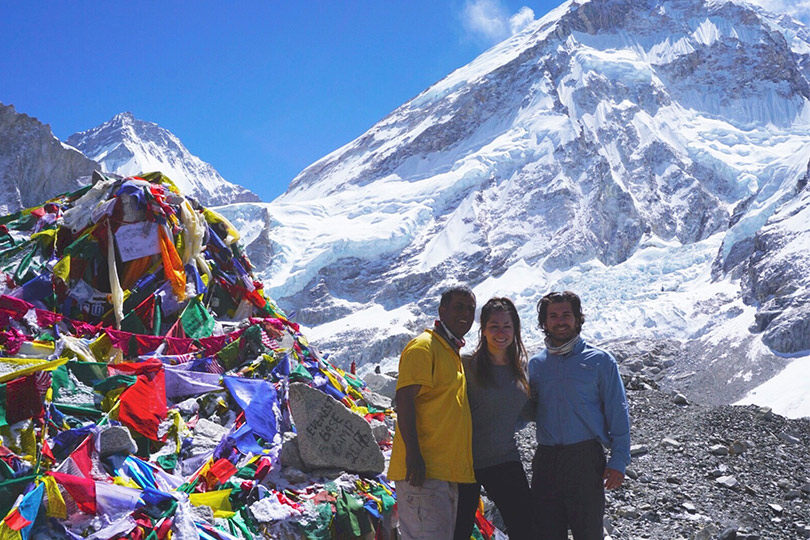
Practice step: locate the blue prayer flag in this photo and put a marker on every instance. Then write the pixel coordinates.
(258, 399)
(29, 508)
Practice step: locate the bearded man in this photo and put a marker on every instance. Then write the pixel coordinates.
(580, 408)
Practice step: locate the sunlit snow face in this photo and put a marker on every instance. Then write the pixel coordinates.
(561, 324)
(458, 314)
(499, 332)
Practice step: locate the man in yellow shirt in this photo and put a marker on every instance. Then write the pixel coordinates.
(432, 450)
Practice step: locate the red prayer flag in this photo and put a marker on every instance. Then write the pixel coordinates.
(119, 338)
(214, 344)
(262, 468)
(17, 306)
(176, 345)
(23, 400)
(219, 472)
(146, 312)
(143, 405)
(485, 527)
(83, 490)
(163, 528)
(147, 343)
(137, 533)
(15, 520)
(47, 452)
(46, 319)
(82, 456)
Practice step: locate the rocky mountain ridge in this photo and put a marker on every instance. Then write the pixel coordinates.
(35, 165)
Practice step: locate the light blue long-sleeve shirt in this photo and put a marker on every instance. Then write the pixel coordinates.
(580, 396)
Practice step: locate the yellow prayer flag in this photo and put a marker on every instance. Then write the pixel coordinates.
(7, 533)
(56, 503)
(62, 268)
(110, 399)
(218, 501)
(216, 218)
(28, 442)
(126, 482)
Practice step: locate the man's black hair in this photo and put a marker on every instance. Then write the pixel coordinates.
(556, 298)
(447, 295)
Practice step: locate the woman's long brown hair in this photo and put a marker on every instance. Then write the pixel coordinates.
(481, 362)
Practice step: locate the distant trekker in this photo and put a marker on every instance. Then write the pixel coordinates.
(581, 407)
(432, 450)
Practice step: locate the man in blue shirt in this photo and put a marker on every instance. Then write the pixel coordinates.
(581, 407)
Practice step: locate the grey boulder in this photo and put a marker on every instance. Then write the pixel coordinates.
(330, 436)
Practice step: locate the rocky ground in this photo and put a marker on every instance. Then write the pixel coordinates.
(699, 471)
(703, 472)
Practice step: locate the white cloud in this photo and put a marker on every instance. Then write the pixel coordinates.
(799, 9)
(523, 18)
(490, 20)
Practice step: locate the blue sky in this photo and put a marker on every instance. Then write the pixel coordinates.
(258, 89)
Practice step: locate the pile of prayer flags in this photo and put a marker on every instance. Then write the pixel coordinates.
(144, 376)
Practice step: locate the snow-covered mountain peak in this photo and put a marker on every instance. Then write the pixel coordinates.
(128, 146)
(638, 152)
(717, 59)
(122, 119)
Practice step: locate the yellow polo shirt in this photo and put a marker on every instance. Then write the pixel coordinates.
(443, 422)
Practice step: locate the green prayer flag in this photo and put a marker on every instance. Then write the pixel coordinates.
(132, 347)
(248, 472)
(229, 354)
(116, 381)
(78, 410)
(5, 470)
(196, 321)
(132, 323)
(171, 510)
(300, 373)
(238, 520)
(8, 218)
(350, 516)
(318, 528)
(88, 372)
(10, 489)
(25, 263)
(46, 336)
(3, 421)
(387, 500)
(61, 383)
(157, 316)
(221, 302)
(167, 462)
(354, 381)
